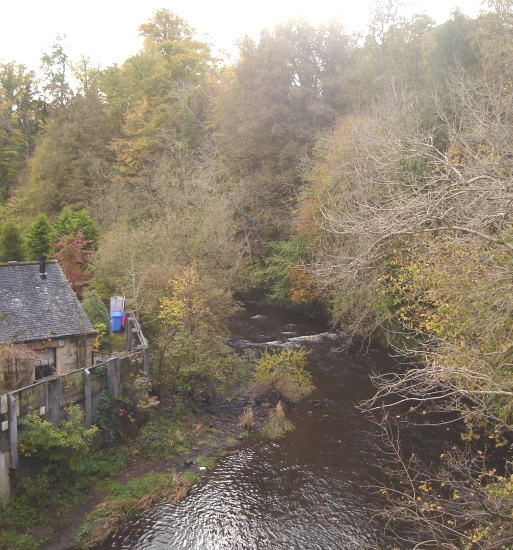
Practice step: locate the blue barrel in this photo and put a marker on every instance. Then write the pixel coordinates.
(116, 317)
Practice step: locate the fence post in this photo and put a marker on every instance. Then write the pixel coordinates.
(61, 394)
(114, 376)
(47, 398)
(87, 399)
(13, 429)
(146, 362)
(129, 325)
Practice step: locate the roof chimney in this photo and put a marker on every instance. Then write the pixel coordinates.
(42, 266)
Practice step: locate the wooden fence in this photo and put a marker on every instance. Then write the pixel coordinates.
(49, 397)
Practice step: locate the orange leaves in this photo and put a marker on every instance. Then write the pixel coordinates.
(303, 286)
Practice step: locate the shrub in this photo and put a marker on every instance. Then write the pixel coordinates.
(283, 375)
(60, 447)
(277, 424)
(11, 243)
(247, 419)
(96, 311)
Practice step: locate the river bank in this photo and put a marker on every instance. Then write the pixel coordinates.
(210, 432)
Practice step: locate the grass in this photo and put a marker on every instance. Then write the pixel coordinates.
(166, 436)
(16, 519)
(11, 540)
(278, 424)
(247, 419)
(127, 499)
(204, 462)
(43, 496)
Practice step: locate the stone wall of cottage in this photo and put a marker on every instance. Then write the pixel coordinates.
(71, 353)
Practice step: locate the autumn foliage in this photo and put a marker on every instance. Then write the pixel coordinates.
(74, 257)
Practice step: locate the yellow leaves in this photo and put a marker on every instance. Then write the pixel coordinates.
(185, 307)
(445, 292)
(453, 154)
(425, 488)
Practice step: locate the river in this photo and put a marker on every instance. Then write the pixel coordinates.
(309, 490)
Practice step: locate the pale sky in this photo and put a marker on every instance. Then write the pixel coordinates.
(107, 30)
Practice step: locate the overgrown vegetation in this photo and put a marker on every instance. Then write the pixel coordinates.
(282, 375)
(278, 424)
(61, 449)
(60, 486)
(97, 313)
(191, 358)
(61, 482)
(104, 418)
(369, 177)
(18, 361)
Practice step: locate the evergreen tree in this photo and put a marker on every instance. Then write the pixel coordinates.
(39, 237)
(69, 223)
(11, 244)
(96, 311)
(64, 223)
(83, 220)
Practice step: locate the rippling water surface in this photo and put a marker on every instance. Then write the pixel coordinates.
(308, 490)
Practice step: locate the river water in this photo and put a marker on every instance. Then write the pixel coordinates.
(308, 490)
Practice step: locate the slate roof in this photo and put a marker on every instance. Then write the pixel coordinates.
(32, 308)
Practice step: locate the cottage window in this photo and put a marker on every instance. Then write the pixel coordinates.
(45, 363)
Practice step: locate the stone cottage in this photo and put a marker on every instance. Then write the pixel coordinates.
(43, 328)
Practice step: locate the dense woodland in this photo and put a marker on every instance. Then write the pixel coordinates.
(365, 178)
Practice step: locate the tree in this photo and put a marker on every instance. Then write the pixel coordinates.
(83, 221)
(39, 237)
(21, 119)
(394, 48)
(423, 179)
(64, 224)
(73, 161)
(11, 243)
(69, 223)
(73, 256)
(465, 502)
(87, 75)
(166, 111)
(191, 356)
(54, 66)
(408, 212)
(286, 89)
(96, 311)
